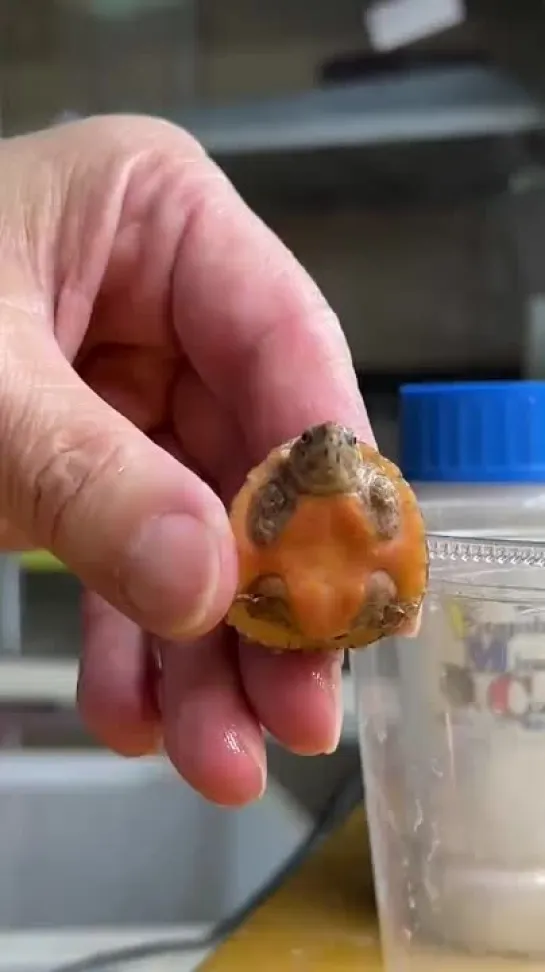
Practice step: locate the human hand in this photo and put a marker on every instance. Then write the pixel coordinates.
(156, 340)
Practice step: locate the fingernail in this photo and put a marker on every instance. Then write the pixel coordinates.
(254, 750)
(334, 687)
(257, 755)
(173, 573)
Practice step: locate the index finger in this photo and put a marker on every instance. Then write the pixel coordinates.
(255, 325)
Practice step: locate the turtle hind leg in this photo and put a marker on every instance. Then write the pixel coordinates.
(380, 610)
(267, 600)
(382, 614)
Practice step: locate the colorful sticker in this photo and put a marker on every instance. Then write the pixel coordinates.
(500, 665)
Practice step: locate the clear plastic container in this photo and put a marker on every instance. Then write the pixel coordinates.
(452, 723)
(454, 763)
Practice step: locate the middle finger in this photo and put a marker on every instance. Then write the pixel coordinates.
(210, 733)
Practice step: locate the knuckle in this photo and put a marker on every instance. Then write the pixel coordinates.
(141, 149)
(132, 134)
(69, 471)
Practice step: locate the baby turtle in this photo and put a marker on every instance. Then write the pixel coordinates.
(331, 544)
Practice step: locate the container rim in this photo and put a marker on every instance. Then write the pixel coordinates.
(491, 550)
(484, 554)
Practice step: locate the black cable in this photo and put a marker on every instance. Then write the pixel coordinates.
(343, 801)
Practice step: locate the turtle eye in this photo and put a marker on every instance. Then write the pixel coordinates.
(351, 439)
(306, 437)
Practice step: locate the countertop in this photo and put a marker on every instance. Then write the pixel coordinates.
(323, 919)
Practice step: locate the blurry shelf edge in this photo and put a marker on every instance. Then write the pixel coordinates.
(38, 681)
(54, 681)
(423, 105)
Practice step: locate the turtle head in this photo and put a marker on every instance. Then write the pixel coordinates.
(325, 459)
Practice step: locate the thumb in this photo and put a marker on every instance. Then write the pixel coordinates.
(79, 479)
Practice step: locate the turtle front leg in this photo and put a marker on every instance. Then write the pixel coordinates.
(270, 509)
(380, 497)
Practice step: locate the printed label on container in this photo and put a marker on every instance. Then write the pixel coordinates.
(496, 663)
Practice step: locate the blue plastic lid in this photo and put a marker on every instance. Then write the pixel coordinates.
(473, 432)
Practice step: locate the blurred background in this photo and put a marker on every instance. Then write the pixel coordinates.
(397, 147)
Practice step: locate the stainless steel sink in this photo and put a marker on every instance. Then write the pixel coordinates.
(97, 851)
(91, 844)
